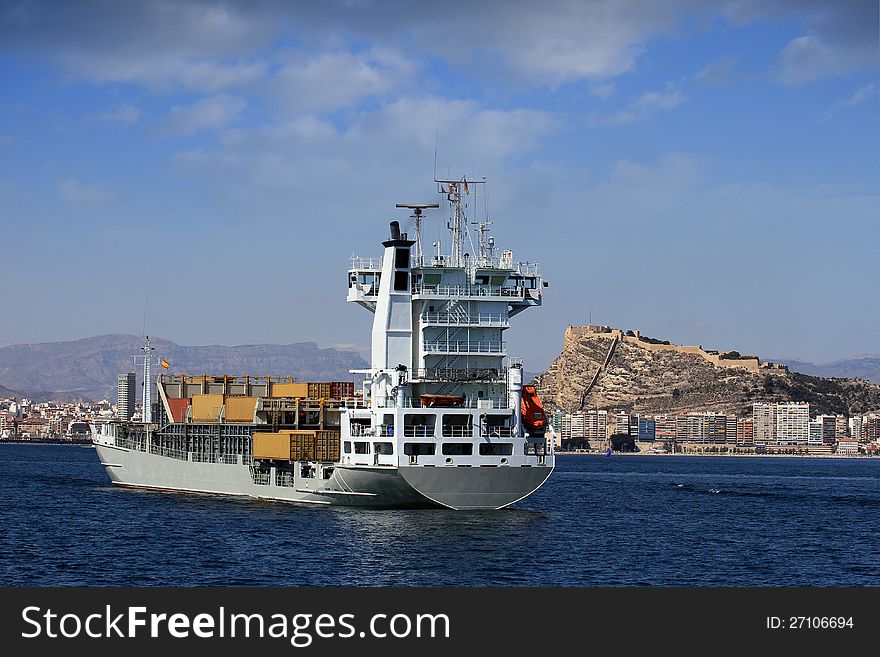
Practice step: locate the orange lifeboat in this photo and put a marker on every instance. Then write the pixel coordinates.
(533, 417)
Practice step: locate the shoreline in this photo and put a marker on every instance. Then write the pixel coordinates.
(773, 456)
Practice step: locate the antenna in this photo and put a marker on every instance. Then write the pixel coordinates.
(436, 140)
(458, 224)
(486, 247)
(417, 209)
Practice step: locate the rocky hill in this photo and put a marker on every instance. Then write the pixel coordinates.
(89, 367)
(610, 369)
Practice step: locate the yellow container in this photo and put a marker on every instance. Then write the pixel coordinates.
(206, 408)
(240, 409)
(290, 390)
(273, 446)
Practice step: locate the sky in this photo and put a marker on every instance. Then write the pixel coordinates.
(706, 172)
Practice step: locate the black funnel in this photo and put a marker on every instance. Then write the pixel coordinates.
(395, 230)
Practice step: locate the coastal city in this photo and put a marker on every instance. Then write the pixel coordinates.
(772, 428)
(778, 428)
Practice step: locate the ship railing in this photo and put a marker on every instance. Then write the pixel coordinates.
(455, 431)
(468, 290)
(527, 268)
(392, 401)
(139, 444)
(260, 477)
(461, 375)
(418, 431)
(480, 319)
(213, 457)
(358, 429)
(465, 347)
(496, 432)
(283, 478)
(170, 452)
(365, 264)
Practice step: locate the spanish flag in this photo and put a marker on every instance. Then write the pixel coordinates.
(165, 364)
(466, 187)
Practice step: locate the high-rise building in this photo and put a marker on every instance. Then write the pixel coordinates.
(731, 429)
(871, 427)
(792, 423)
(816, 432)
(126, 394)
(691, 428)
(764, 423)
(856, 429)
(596, 426)
(715, 428)
(647, 430)
(745, 431)
(829, 429)
(664, 428)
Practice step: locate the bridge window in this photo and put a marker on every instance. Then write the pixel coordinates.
(361, 447)
(383, 448)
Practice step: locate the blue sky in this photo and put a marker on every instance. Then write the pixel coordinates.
(705, 172)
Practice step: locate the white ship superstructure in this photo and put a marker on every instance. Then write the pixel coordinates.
(439, 421)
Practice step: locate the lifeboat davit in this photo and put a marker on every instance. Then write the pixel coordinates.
(533, 417)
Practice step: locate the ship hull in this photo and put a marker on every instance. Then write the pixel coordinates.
(349, 485)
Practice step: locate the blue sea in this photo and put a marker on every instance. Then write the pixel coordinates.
(618, 521)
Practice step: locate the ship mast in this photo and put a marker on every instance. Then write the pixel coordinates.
(148, 410)
(417, 209)
(458, 223)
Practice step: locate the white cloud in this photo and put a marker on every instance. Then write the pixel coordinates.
(805, 59)
(860, 95)
(125, 114)
(207, 114)
(719, 72)
(78, 193)
(648, 104)
(337, 79)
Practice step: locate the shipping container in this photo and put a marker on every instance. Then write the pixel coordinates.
(240, 409)
(302, 445)
(319, 390)
(341, 389)
(326, 445)
(178, 408)
(290, 390)
(206, 408)
(272, 446)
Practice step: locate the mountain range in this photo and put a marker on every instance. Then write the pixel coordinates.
(858, 367)
(87, 368)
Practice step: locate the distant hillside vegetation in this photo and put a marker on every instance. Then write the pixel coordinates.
(89, 367)
(652, 377)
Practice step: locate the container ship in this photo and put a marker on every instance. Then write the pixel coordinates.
(441, 419)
